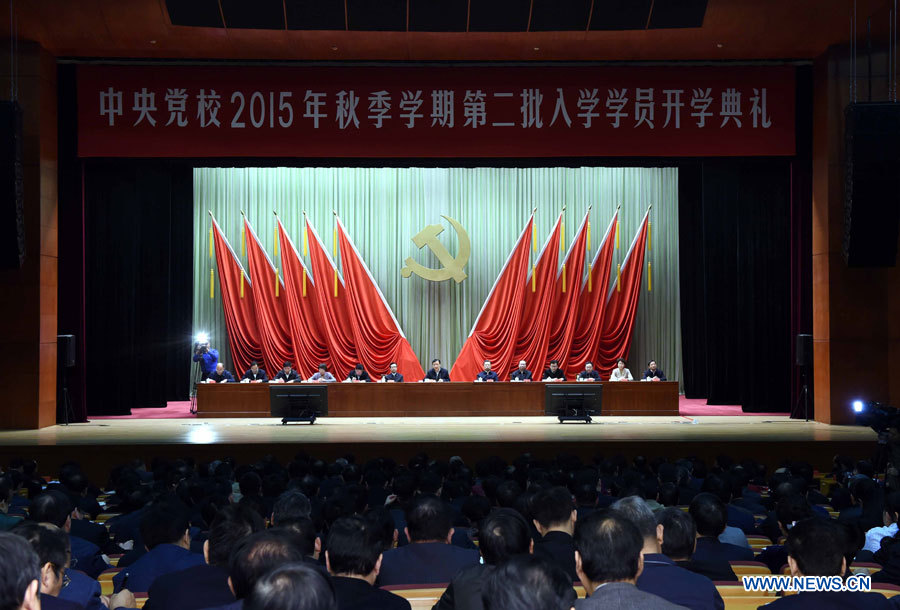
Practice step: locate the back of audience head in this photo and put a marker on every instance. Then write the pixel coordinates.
(635, 510)
(53, 507)
(528, 582)
(255, 556)
(790, 509)
(165, 522)
(428, 519)
(353, 549)
(607, 549)
(709, 514)
(231, 525)
(507, 494)
(20, 573)
(383, 528)
(553, 509)
(291, 505)
(303, 535)
(679, 533)
(504, 534)
(816, 547)
(51, 544)
(294, 586)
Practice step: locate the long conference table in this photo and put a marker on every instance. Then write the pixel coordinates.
(454, 399)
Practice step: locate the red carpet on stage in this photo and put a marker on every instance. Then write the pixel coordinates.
(686, 406)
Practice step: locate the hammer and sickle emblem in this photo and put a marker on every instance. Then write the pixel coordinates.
(451, 267)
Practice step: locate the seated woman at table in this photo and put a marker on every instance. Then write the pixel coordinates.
(620, 373)
(487, 374)
(220, 375)
(322, 376)
(653, 372)
(255, 374)
(588, 374)
(358, 374)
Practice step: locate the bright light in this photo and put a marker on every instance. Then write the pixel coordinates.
(857, 406)
(202, 338)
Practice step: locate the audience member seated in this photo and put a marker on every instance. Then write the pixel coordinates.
(554, 517)
(710, 516)
(889, 529)
(679, 539)
(609, 562)
(164, 530)
(353, 558)
(789, 510)
(660, 575)
(295, 586)
(815, 547)
(429, 557)
(7, 521)
(20, 574)
(720, 486)
(502, 535)
(254, 557)
(528, 582)
(56, 508)
(205, 585)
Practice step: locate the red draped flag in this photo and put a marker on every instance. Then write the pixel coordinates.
(493, 336)
(237, 302)
(335, 319)
(592, 298)
(533, 335)
(379, 339)
(269, 301)
(564, 307)
(621, 308)
(310, 347)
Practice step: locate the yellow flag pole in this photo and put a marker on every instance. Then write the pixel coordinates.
(304, 240)
(589, 235)
(533, 279)
(210, 242)
(304, 281)
(590, 277)
(276, 240)
(212, 284)
(617, 234)
(276, 282)
(649, 235)
(564, 277)
(242, 284)
(533, 237)
(649, 277)
(619, 278)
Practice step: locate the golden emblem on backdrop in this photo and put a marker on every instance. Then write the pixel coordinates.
(452, 267)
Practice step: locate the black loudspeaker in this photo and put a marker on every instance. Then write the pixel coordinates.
(65, 347)
(872, 184)
(804, 350)
(12, 199)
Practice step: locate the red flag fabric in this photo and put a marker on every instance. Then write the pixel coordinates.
(533, 336)
(621, 308)
(334, 311)
(271, 310)
(564, 307)
(592, 299)
(240, 314)
(378, 337)
(310, 347)
(493, 335)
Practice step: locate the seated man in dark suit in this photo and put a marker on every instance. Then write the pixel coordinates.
(554, 373)
(165, 532)
(287, 374)
(816, 548)
(661, 576)
(220, 375)
(653, 372)
(206, 584)
(487, 374)
(429, 557)
(296, 586)
(255, 556)
(393, 376)
(503, 534)
(554, 517)
(711, 516)
(353, 558)
(358, 374)
(255, 374)
(790, 509)
(609, 562)
(521, 374)
(720, 485)
(20, 573)
(679, 538)
(588, 374)
(526, 582)
(56, 508)
(436, 372)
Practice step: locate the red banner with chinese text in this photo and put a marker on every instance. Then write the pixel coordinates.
(435, 111)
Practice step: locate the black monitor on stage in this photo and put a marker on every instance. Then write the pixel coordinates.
(572, 401)
(298, 402)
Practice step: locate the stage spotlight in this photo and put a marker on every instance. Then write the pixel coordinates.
(858, 406)
(201, 338)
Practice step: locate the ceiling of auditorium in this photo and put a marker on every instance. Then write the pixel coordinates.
(419, 30)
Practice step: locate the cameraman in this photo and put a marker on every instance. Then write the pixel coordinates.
(208, 358)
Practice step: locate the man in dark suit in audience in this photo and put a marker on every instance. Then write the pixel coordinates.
(737, 517)
(20, 574)
(55, 507)
(661, 576)
(609, 562)
(206, 584)
(358, 374)
(711, 516)
(678, 540)
(436, 372)
(522, 373)
(554, 373)
(354, 559)
(220, 375)
(588, 374)
(486, 374)
(429, 557)
(554, 517)
(165, 532)
(816, 548)
(503, 534)
(255, 374)
(393, 376)
(528, 581)
(287, 374)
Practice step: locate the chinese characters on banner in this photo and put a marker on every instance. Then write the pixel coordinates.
(238, 111)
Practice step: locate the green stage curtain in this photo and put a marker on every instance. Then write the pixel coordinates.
(383, 208)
